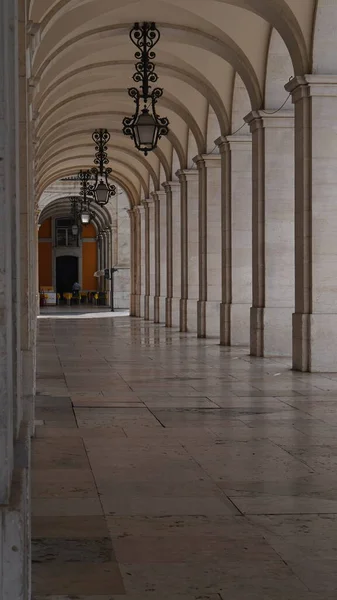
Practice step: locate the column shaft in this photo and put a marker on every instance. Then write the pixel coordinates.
(142, 217)
(210, 244)
(173, 298)
(315, 317)
(147, 261)
(189, 249)
(273, 239)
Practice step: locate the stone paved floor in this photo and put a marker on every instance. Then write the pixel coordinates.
(169, 468)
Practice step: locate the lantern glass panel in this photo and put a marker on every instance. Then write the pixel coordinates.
(102, 193)
(85, 218)
(145, 130)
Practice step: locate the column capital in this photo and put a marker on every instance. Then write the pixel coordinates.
(208, 161)
(312, 85)
(187, 174)
(222, 143)
(239, 142)
(254, 120)
(148, 203)
(157, 195)
(169, 186)
(260, 119)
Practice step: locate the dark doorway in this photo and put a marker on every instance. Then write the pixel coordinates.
(66, 273)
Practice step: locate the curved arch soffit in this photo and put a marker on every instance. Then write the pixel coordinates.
(171, 136)
(112, 146)
(62, 205)
(172, 104)
(85, 158)
(222, 46)
(195, 80)
(125, 185)
(277, 13)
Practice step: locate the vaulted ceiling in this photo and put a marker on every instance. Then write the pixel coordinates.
(216, 60)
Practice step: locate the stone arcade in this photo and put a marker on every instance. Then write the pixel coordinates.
(232, 220)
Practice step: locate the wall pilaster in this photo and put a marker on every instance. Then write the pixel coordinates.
(273, 232)
(315, 317)
(210, 244)
(189, 180)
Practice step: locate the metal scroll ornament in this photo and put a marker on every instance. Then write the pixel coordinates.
(85, 213)
(101, 190)
(145, 127)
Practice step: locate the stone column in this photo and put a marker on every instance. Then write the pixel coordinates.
(108, 264)
(104, 259)
(152, 257)
(163, 256)
(189, 249)
(315, 317)
(100, 260)
(131, 214)
(210, 197)
(236, 166)
(17, 312)
(141, 211)
(273, 232)
(172, 189)
(147, 261)
(156, 305)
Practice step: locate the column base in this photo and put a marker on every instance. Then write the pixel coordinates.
(175, 312)
(156, 305)
(168, 318)
(201, 318)
(208, 319)
(225, 324)
(15, 534)
(183, 315)
(256, 331)
(278, 331)
(147, 308)
(151, 308)
(192, 315)
(270, 331)
(162, 309)
(135, 305)
(235, 324)
(142, 306)
(314, 343)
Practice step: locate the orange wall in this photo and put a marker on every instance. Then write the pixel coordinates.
(45, 264)
(45, 229)
(89, 264)
(89, 231)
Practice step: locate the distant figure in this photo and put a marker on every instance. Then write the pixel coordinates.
(76, 287)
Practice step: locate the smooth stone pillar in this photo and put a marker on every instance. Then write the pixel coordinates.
(210, 240)
(131, 214)
(152, 257)
(273, 232)
(147, 261)
(315, 317)
(172, 189)
(142, 216)
(236, 155)
(135, 260)
(189, 180)
(162, 198)
(157, 254)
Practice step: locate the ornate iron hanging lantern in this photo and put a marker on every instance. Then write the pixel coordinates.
(75, 213)
(85, 214)
(145, 127)
(101, 190)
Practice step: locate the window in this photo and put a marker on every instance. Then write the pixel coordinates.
(63, 233)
